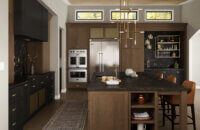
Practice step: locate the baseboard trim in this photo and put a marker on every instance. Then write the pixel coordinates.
(63, 90)
(57, 97)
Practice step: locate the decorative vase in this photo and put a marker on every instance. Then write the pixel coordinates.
(141, 99)
(32, 69)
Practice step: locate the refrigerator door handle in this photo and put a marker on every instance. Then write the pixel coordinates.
(99, 61)
(77, 61)
(102, 62)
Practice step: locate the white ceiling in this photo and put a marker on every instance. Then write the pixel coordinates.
(115, 2)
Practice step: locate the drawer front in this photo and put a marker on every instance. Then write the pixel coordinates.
(77, 86)
(13, 95)
(13, 125)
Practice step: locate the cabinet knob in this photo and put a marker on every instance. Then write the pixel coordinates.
(14, 95)
(14, 109)
(26, 85)
(14, 124)
(33, 86)
(42, 82)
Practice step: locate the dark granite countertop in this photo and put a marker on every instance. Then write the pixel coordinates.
(143, 82)
(26, 79)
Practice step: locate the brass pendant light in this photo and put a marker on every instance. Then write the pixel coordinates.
(123, 24)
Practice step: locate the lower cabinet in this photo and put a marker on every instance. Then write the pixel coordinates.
(37, 100)
(33, 103)
(108, 110)
(42, 97)
(77, 85)
(28, 97)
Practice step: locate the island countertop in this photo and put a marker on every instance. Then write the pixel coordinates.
(144, 82)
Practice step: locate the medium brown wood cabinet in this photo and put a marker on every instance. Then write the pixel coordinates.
(132, 58)
(96, 32)
(106, 32)
(108, 110)
(77, 36)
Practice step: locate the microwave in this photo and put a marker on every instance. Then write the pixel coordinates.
(77, 75)
(77, 58)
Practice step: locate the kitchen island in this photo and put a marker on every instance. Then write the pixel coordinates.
(111, 107)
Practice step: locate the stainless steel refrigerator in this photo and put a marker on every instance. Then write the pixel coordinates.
(104, 55)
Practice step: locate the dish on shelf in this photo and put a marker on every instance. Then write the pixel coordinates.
(141, 119)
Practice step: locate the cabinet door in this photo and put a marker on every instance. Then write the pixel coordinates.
(42, 98)
(132, 58)
(131, 42)
(111, 33)
(33, 103)
(78, 36)
(96, 33)
(108, 110)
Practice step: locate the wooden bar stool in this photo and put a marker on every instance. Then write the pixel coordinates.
(160, 75)
(171, 79)
(166, 98)
(174, 102)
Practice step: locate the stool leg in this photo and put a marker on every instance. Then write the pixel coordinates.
(193, 116)
(173, 115)
(168, 107)
(163, 109)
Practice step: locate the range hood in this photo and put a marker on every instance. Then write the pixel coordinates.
(30, 20)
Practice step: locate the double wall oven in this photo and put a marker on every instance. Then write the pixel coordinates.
(77, 62)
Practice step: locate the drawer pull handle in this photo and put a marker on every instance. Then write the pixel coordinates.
(14, 95)
(14, 124)
(14, 109)
(33, 86)
(42, 82)
(26, 85)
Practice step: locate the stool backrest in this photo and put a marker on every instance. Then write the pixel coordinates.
(160, 75)
(171, 79)
(191, 94)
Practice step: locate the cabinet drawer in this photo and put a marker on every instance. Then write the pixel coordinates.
(13, 96)
(77, 86)
(13, 125)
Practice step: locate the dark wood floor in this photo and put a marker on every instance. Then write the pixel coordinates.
(41, 118)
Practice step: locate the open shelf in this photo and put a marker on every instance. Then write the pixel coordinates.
(167, 46)
(142, 122)
(149, 106)
(167, 42)
(148, 127)
(168, 50)
(145, 105)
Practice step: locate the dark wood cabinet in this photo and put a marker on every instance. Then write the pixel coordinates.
(30, 20)
(26, 98)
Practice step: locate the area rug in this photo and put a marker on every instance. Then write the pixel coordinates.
(71, 115)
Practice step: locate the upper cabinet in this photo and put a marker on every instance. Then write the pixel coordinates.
(77, 36)
(96, 32)
(111, 33)
(31, 20)
(107, 33)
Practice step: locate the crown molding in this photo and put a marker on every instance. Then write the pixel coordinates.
(186, 2)
(183, 3)
(67, 2)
